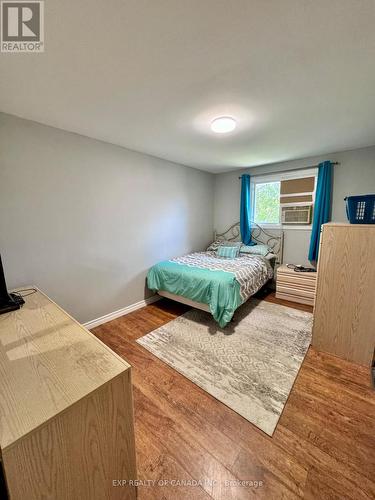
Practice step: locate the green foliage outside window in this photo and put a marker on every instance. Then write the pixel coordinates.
(267, 203)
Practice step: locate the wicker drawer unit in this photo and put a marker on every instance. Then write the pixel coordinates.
(295, 286)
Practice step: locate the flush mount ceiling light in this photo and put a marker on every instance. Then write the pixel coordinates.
(223, 125)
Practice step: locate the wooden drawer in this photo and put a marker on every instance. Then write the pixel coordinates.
(308, 285)
(294, 298)
(298, 292)
(298, 277)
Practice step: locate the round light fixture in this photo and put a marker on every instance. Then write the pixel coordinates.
(223, 125)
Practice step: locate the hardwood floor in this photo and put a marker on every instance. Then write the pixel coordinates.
(323, 446)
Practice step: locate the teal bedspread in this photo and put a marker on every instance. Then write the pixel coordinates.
(219, 289)
(222, 284)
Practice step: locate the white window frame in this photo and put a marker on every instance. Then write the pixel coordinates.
(278, 177)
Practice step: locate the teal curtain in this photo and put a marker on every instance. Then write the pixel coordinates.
(322, 207)
(245, 210)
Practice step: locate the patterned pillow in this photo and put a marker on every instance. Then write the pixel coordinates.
(255, 250)
(218, 243)
(214, 246)
(229, 252)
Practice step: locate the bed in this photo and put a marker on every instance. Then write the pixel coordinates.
(215, 284)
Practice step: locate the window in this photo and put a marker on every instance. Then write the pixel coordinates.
(267, 203)
(283, 196)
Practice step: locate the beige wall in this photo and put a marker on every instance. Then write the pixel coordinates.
(84, 220)
(354, 175)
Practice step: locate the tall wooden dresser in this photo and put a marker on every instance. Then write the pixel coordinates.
(344, 315)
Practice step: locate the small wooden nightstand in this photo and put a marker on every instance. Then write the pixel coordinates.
(295, 286)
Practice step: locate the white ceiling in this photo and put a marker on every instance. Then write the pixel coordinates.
(150, 75)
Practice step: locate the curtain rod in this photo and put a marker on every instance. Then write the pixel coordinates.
(291, 169)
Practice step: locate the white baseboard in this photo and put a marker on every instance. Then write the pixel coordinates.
(121, 312)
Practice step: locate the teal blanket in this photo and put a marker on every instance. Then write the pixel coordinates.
(221, 283)
(219, 289)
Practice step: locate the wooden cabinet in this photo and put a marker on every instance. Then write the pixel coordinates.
(295, 286)
(66, 408)
(344, 315)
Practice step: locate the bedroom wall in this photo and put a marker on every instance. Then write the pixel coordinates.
(84, 220)
(354, 175)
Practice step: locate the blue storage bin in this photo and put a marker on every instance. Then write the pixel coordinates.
(361, 209)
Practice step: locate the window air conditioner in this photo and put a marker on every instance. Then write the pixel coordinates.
(296, 214)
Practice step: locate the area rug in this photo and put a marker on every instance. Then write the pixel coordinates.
(250, 365)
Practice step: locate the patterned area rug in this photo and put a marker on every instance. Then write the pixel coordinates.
(250, 365)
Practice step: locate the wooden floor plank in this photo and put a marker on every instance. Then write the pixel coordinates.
(323, 446)
(178, 443)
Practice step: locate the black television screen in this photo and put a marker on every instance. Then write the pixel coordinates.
(8, 301)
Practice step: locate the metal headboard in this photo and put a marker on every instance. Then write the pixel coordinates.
(258, 234)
